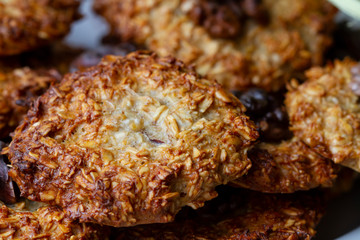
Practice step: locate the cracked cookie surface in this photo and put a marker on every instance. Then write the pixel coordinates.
(131, 141)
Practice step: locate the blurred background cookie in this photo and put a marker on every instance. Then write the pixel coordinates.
(28, 24)
(239, 43)
(18, 88)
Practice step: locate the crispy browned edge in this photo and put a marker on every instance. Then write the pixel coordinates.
(240, 214)
(43, 179)
(45, 22)
(287, 167)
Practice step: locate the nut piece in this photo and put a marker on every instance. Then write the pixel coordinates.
(205, 33)
(30, 220)
(325, 112)
(135, 122)
(28, 24)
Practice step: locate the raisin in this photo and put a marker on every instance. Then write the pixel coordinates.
(268, 112)
(226, 18)
(255, 100)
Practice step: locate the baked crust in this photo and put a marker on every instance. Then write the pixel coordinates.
(28, 24)
(17, 88)
(45, 222)
(286, 167)
(265, 56)
(241, 215)
(131, 141)
(324, 112)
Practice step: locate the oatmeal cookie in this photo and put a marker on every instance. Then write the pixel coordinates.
(30, 220)
(28, 24)
(131, 141)
(239, 43)
(286, 167)
(241, 215)
(17, 88)
(325, 112)
(281, 163)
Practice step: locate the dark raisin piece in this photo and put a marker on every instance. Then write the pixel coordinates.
(268, 112)
(255, 100)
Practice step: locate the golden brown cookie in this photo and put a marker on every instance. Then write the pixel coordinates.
(131, 141)
(28, 24)
(17, 89)
(244, 45)
(30, 220)
(325, 112)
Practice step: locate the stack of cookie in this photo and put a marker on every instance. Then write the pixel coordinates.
(209, 132)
